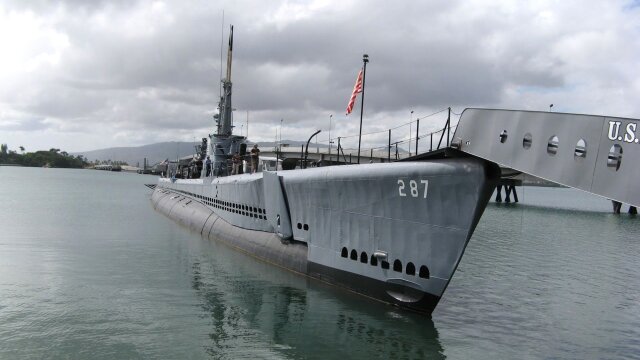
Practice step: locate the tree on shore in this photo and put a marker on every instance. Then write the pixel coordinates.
(52, 158)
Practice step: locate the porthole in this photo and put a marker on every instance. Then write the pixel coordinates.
(374, 261)
(344, 253)
(363, 257)
(581, 150)
(354, 255)
(299, 226)
(384, 264)
(306, 227)
(397, 265)
(503, 136)
(614, 160)
(552, 145)
(527, 140)
(411, 269)
(424, 272)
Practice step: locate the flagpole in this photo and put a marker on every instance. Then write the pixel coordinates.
(365, 60)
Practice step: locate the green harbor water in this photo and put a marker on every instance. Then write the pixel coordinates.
(88, 270)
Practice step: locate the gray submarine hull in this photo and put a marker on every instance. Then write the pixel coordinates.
(393, 232)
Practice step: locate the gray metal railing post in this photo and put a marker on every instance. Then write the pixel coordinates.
(448, 126)
(417, 134)
(389, 152)
(340, 150)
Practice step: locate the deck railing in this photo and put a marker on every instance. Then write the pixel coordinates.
(387, 145)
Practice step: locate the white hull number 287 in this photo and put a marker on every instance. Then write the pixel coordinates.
(414, 189)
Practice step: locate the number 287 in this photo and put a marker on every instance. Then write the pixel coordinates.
(414, 189)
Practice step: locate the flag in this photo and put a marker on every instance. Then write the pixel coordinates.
(356, 89)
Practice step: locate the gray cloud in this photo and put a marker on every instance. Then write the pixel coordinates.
(126, 73)
(23, 123)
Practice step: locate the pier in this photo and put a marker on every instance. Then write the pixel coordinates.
(579, 151)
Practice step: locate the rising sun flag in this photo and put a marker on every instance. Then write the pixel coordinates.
(357, 88)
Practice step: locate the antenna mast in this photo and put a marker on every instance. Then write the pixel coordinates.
(221, 48)
(225, 122)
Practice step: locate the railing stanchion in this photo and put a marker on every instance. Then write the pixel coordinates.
(417, 134)
(448, 126)
(389, 152)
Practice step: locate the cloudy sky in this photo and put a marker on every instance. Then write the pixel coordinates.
(83, 75)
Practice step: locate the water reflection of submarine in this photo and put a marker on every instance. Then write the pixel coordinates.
(302, 316)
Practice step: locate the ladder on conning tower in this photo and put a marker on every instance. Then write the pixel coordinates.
(597, 154)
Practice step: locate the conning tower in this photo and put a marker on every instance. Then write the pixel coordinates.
(223, 143)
